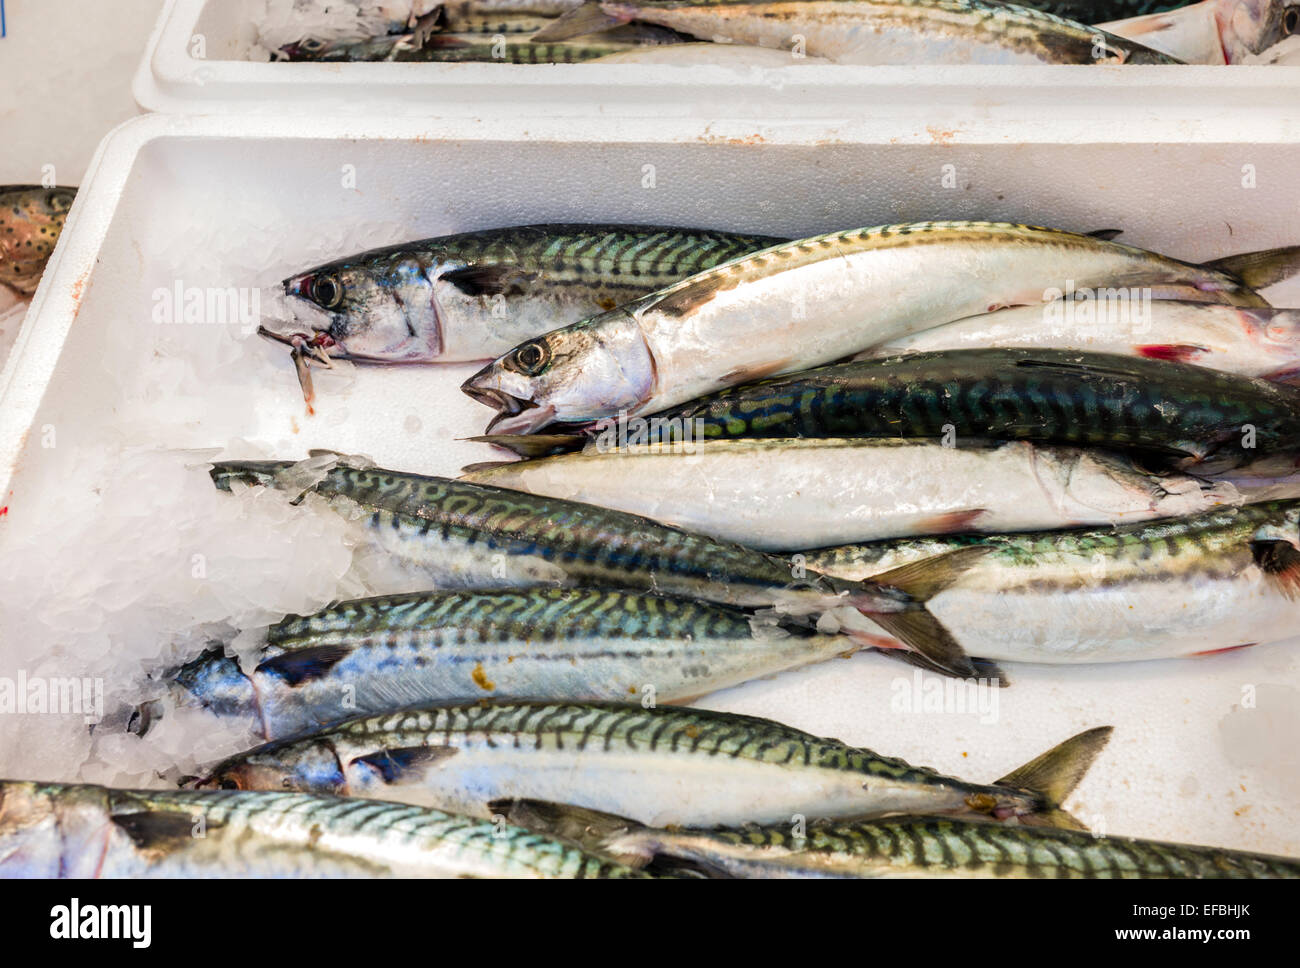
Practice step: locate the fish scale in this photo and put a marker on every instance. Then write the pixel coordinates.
(1220, 579)
(808, 303)
(940, 847)
(455, 530)
(31, 221)
(45, 830)
(1178, 411)
(392, 652)
(657, 764)
(472, 295)
(876, 31)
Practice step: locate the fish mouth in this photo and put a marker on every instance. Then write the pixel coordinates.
(311, 338)
(515, 415)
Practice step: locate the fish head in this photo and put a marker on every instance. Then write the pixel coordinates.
(215, 681)
(307, 49)
(377, 308)
(593, 369)
(305, 766)
(1248, 28)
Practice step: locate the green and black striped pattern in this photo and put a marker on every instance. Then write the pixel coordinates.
(605, 726)
(1046, 396)
(271, 833)
(584, 541)
(628, 259)
(910, 846)
(546, 614)
(1214, 544)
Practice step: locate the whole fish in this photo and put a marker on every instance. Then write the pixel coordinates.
(1253, 342)
(1171, 413)
(893, 847)
(50, 830)
(822, 299)
(31, 220)
(382, 654)
(790, 494)
(875, 31)
(463, 535)
(477, 45)
(661, 765)
(474, 295)
(1215, 31)
(1206, 583)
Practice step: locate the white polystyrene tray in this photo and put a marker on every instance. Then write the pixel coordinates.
(171, 79)
(1187, 761)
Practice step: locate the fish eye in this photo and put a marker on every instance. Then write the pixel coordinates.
(530, 358)
(326, 291)
(1290, 21)
(312, 44)
(229, 784)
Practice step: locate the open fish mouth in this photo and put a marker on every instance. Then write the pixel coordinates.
(514, 414)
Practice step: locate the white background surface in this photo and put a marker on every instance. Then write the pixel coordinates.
(65, 81)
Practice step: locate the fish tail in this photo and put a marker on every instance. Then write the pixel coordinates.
(590, 18)
(931, 645)
(1258, 270)
(1052, 776)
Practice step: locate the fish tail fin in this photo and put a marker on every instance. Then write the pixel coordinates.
(1258, 270)
(985, 669)
(531, 446)
(590, 18)
(914, 625)
(1052, 776)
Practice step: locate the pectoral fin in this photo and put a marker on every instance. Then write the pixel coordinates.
(159, 831)
(397, 765)
(300, 665)
(491, 280)
(1280, 562)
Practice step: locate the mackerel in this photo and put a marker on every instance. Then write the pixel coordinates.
(805, 303)
(1252, 342)
(876, 31)
(463, 535)
(1219, 580)
(482, 45)
(382, 654)
(474, 295)
(788, 494)
(1176, 414)
(660, 765)
(895, 847)
(50, 830)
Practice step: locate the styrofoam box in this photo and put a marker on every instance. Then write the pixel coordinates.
(1206, 749)
(170, 78)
